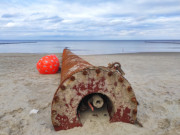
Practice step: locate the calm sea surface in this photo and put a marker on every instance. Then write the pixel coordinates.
(89, 47)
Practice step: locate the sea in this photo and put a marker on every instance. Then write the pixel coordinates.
(89, 47)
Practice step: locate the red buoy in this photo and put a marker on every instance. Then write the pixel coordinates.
(48, 64)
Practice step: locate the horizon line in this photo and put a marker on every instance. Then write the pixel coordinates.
(87, 39)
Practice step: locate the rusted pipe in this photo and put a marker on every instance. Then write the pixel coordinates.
(80, 79)
(71, 64)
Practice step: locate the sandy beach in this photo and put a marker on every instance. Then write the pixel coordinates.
(155, 79)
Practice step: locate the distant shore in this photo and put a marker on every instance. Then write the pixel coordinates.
(89, 47)
(2, 43)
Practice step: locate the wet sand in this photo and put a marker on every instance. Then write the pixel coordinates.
(155, 78)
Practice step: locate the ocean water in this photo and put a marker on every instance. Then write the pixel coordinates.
(89, 47)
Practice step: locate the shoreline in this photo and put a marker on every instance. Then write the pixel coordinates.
(138, 53)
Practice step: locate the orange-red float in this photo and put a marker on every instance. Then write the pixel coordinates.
(48, 64)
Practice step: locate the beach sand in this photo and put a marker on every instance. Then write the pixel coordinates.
(155, 78)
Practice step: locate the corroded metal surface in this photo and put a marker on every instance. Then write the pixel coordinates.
(79, 79)
(71, 64)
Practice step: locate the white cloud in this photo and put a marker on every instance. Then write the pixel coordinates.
(114, 19)
(10, 24)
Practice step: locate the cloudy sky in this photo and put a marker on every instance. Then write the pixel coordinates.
(89, 19)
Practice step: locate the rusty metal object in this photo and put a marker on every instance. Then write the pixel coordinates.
(80, 79)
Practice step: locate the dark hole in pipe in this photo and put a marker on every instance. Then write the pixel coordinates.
(98, 102)
(84, 107)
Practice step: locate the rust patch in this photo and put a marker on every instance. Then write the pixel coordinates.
(91, 87)
(135, 111)
(54, 112)
(110, 73)
(115, 83)
(72, 78)
(85, 72)
(120, 79)
(56, 99)
(129, 88)
(119, 116)
(98, 71)
(133, 99)
(63, 87)
(65, 123)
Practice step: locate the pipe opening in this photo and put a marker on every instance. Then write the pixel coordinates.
(95, 106)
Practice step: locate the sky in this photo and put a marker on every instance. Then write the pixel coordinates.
(89, 19)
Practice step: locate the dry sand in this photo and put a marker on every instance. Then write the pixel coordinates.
(155, 78)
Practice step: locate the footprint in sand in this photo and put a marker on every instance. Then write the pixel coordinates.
(32, 101)
(28, 84)
(15, 81)
(160, 109)
(178, 101)
(164, 123)
(168, 102)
